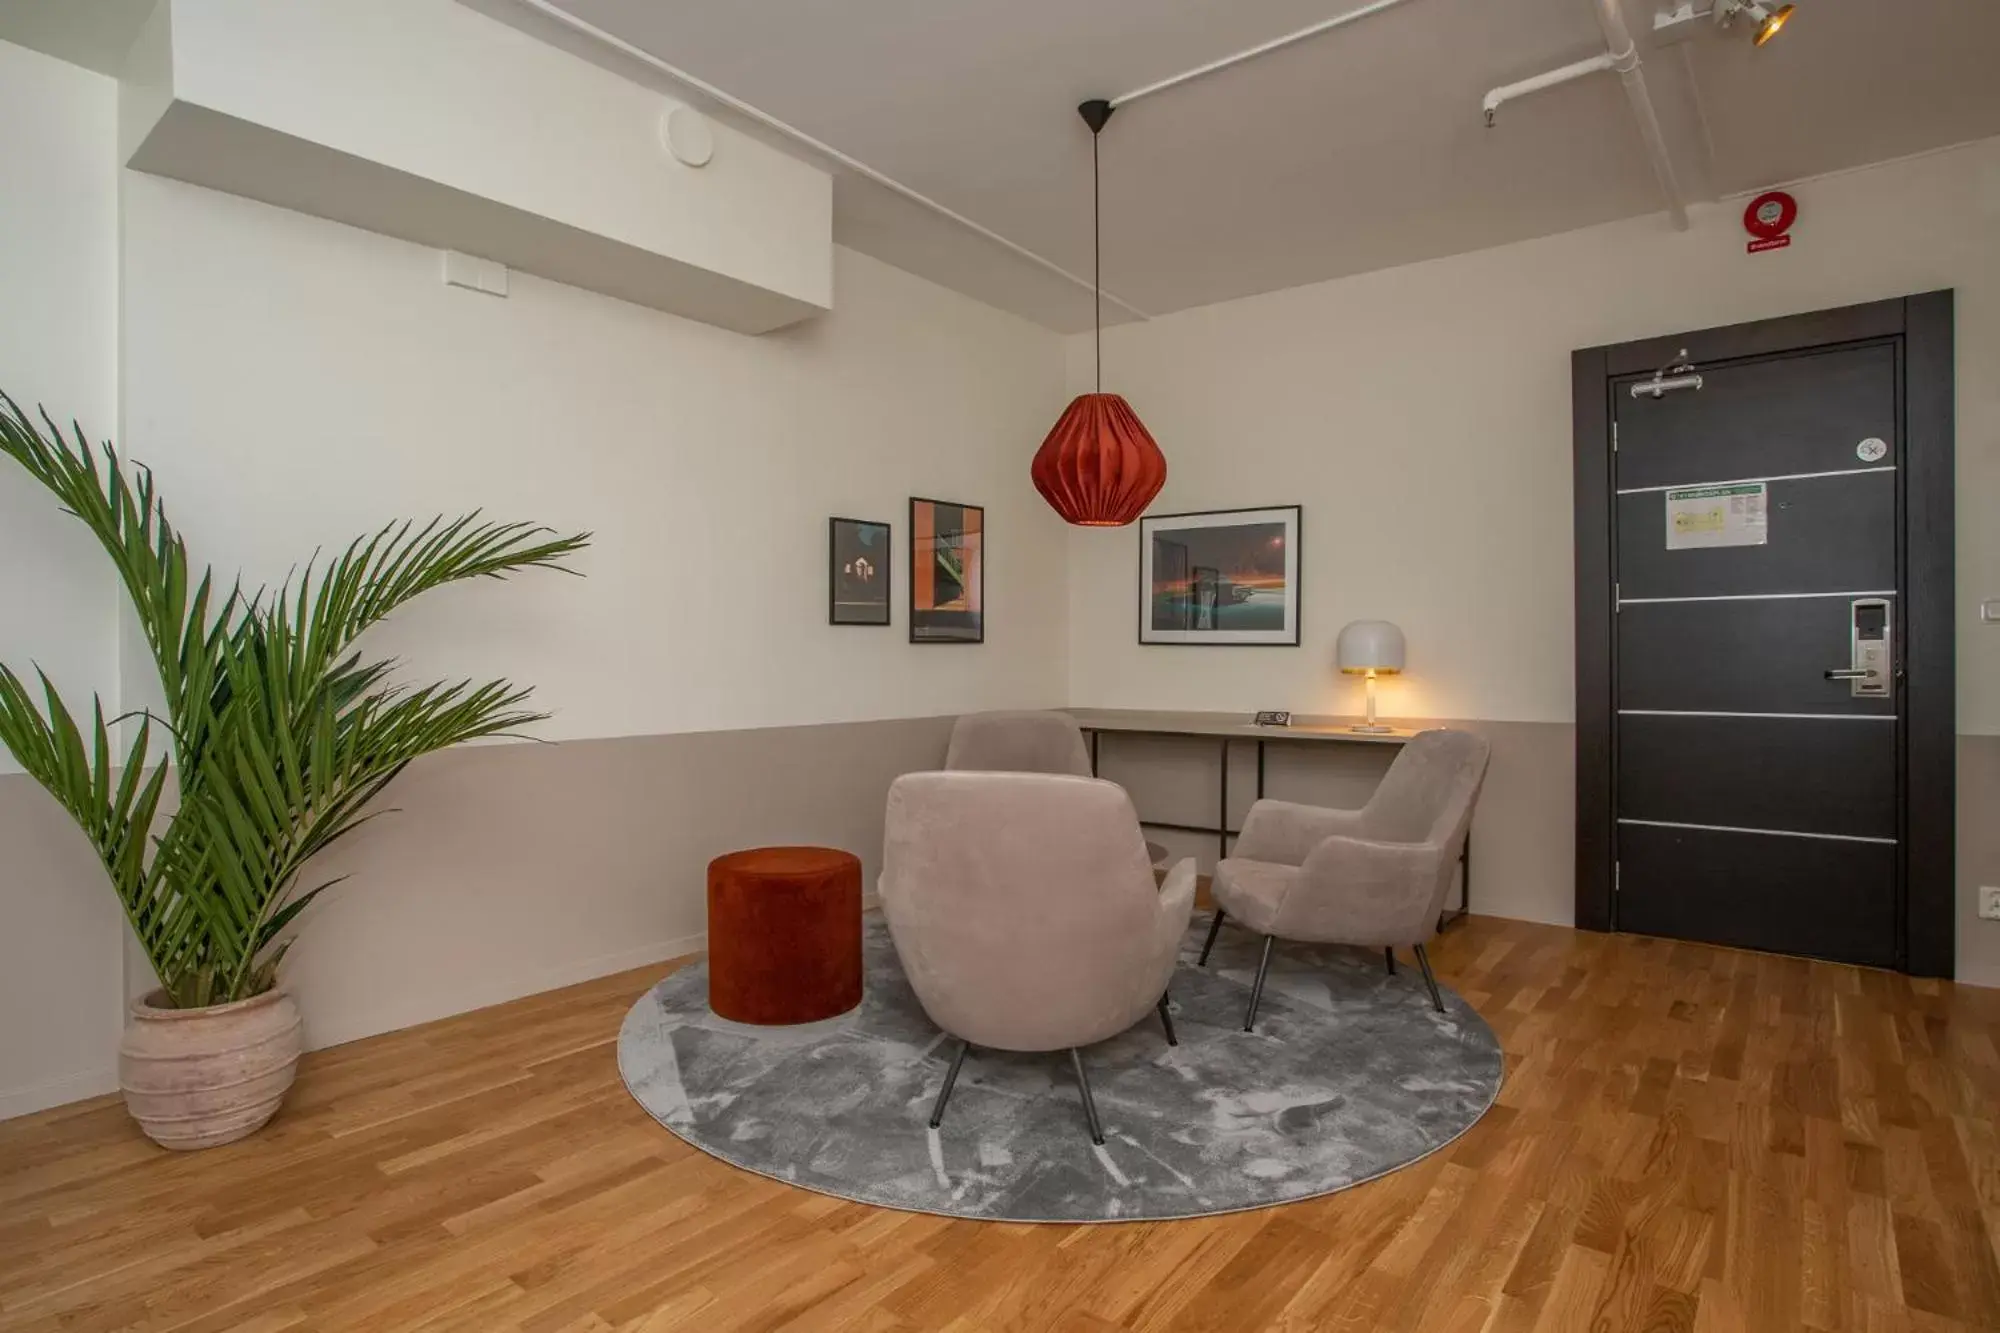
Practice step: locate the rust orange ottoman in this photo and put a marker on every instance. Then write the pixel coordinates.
(784, 934)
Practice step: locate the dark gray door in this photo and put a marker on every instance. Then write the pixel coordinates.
(1758, 776)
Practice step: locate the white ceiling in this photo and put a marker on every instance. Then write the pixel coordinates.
(1352, 151)
(92, 33)
(1355, 150)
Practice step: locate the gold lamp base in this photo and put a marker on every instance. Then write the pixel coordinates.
(1371, 727)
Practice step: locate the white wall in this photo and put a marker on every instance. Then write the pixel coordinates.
(1422, 417)
(295, 382)
(58, 608)
(426, 120)
(58, 348)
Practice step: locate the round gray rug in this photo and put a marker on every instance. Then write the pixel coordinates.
(1350, 1074)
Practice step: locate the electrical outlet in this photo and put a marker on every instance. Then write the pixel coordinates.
(1989, 902)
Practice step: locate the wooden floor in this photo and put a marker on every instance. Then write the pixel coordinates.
(1688, 1138)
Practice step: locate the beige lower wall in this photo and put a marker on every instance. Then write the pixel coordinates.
(1523, 832)
(61, 933)
(513, 869)
(1978, 856)
(507, 869)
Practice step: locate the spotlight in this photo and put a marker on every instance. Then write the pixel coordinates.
(1769, 21)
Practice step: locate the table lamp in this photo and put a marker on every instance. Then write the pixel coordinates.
(1367, 647)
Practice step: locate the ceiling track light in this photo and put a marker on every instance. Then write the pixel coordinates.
(1769, 21)
(1671, 25)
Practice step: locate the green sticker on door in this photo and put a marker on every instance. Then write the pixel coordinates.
(1704, 516)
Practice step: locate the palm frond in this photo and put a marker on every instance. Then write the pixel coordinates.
(283, 735)
(328, 609)
(130, 522)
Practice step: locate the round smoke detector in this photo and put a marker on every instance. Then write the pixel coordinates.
(687, 134)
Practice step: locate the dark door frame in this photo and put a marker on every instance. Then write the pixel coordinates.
(1921, 327)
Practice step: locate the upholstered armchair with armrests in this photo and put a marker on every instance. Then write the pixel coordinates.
(1026, 914)
(1377, 876)
(1018, 742)
(1022, 741)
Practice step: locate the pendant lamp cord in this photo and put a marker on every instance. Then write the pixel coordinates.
(1097, 257)
(1096, 113)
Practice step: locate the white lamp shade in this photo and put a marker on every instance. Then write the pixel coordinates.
(1370, 645)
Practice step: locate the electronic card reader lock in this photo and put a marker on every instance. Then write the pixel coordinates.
(1870, 665)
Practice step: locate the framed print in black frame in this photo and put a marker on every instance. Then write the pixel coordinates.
(859, 556)
(1225, 577)
(947, 572)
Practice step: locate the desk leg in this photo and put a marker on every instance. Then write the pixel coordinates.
(1464, 886)
(1222, 823)
(1260, 768)
(1093, 752)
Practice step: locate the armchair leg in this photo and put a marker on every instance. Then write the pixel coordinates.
(1213, 927)
(1089, 1103)
(1167, 1019)
(1389, 959)
(1257, 987)
(1430, 979)
(950, 1079)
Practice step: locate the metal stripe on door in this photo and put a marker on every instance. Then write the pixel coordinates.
(1752, 597)
(1744, 481)
(1810, 717)
(1772, 832)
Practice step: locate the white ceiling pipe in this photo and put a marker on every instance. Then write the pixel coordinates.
(1251, 53)
(1508, 92)
(1625, 59)
(550, 10)
(1621, 56)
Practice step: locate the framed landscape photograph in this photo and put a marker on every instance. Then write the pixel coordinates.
(947, 572)
(1226, 577)
(858, 560)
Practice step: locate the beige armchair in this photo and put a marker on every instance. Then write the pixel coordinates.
(1026, 914)
(1025, 742)
(1375, 876)
(1018, 742)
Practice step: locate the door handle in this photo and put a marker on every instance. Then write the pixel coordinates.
(1849, 673)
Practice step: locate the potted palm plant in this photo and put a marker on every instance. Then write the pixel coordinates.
(275, 739)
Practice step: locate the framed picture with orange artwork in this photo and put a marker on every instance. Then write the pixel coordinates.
(947, 572)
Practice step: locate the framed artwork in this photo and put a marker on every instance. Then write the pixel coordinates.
(858, 559)
(947, 572)
(1226, 577)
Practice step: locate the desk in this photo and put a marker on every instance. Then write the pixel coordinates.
(1227, 728)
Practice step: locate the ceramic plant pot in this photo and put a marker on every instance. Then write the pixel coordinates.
(195, 1078)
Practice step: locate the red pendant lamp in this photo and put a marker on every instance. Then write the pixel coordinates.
(1099, 467)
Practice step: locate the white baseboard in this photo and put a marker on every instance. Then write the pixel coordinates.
(57, 1092)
